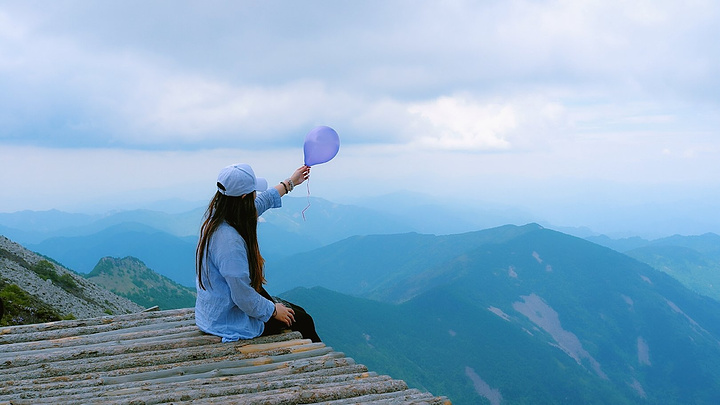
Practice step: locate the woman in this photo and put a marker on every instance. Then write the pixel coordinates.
(231, 301)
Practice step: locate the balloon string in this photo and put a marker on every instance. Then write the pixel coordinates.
(308, 198)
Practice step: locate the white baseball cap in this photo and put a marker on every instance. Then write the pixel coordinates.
(239, 179)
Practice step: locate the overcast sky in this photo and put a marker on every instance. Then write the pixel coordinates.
(574, 110)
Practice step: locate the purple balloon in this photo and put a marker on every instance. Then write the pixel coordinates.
(321, 145)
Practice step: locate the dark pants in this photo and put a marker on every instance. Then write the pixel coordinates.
(303, 321)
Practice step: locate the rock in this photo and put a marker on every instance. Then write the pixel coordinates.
(85, 301)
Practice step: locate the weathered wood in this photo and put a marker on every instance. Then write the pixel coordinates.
(166, 331)
(308, 394)
(44, 356)
(323, 366)
(213, 387)
(326, 365)
(161, 357)
(131, 363)
(275, 352)
(409, 396)
(113, 320)
(157, 325)
(185, 372)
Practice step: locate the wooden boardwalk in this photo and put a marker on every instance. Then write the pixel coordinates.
(161, 357)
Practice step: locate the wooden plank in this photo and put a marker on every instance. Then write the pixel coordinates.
(71, 326)
(161, 357)
(80, 368)
(409, 396)
(308, 394)
(189, 371)
(326, 365)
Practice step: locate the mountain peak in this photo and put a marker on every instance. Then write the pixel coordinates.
(131, 278)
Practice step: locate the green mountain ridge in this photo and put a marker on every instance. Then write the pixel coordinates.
(129, 277)
(375, 264)
(692, 260)
(511, 315)
(525, 314)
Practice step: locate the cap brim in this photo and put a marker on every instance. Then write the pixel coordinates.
(260, 184)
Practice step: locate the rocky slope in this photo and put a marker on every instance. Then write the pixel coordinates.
(53, 286)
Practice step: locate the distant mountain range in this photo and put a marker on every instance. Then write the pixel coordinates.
(390, 268)
(172, 256)
(507, 315)
(32, 227)
(166, 242)
(511, 315)
(693, 260)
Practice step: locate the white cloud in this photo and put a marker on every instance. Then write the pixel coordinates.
(464, 123)
(456, 123)
(138, 88)
(553, 100)
(197, 109)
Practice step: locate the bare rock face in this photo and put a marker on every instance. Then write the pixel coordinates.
(68, 293)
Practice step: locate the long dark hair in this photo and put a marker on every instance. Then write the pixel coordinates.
(241, 214)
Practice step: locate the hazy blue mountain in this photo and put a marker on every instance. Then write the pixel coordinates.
(34, 226)
(325, 221)
(171, 206)
(44, 221)
(372, 265)
(129, 277)
(178, 224)
(20, 235)
(695, 270)
(708, 244)
(693, 260)
(169, 255)
(621, 245)
(276, 242)
(329, 222)
(435, 214)
(166, 242)
(525, 314)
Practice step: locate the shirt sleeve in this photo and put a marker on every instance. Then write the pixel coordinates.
(269, 198)
(232, 262)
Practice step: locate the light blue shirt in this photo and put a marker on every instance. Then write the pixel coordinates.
(230, 307)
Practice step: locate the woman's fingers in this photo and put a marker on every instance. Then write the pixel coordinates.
(301, 174)
(288, 315)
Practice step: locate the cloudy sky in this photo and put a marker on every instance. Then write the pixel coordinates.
(581, 112)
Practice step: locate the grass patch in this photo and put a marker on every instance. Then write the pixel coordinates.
(46, 271)
(22, 308)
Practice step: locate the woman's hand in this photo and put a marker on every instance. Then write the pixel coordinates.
(301, 174)
(284, 314)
